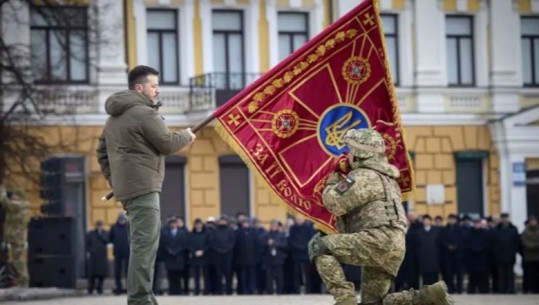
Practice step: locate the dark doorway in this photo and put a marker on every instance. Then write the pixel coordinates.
(173, 191)
(234, 179)
(470, 186)
(532, 192)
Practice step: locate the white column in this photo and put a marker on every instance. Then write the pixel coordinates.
(406, 48)
(481, 46)
(111, 58)
(111, 64)
(16, 31)
(252, 15)
(430, 55)
(505, 38)
(271, 16)
(139, 9)
(317, 18)
(207, 35)
(187, 63)
(430, 43)
(341, 7)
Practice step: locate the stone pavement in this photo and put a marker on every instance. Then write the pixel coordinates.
(270, 300)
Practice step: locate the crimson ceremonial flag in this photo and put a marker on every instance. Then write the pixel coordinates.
(288, 126)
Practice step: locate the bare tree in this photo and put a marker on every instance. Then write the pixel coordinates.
(60, 49)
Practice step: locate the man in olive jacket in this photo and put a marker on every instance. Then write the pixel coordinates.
(131, 155)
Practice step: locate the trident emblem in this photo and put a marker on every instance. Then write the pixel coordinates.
(337, 130)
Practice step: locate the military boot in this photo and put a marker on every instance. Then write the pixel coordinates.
(350, 301)
(435, 294)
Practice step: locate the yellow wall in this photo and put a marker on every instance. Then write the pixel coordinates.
(202, 176)
(434, 163)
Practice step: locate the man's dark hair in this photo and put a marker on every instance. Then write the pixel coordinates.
(139, 74)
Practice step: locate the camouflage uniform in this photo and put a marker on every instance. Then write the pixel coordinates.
(15, 228)
(372, 225)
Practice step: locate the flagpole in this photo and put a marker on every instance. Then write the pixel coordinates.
(196, 128)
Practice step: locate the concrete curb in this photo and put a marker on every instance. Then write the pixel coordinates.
(31, 294)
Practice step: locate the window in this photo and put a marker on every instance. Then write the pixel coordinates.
(460, 61)
(163, 44)
(234, 179)
(59, 44)
(389, 22)
(172, 196)
(530, 50)
(293, 32)
(228, 48)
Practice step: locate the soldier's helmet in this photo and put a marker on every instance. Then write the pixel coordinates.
(365, 143)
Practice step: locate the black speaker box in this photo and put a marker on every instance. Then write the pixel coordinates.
(51, 236)
(52, 271)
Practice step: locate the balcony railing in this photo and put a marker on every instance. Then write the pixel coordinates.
(204, 92)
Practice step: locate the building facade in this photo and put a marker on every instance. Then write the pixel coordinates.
(466, 74)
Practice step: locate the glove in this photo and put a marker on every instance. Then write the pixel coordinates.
(317, 247)
(341, 164)
(334, 178)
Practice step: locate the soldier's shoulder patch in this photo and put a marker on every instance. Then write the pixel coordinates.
(343, 186)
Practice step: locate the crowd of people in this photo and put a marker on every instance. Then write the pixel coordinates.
(239, 255)
(482, 250)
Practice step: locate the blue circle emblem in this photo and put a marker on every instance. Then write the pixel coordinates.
(335, 122)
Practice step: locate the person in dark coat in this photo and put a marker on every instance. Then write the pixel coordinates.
(493, 223)
(245, 256)
(222, 241)
(96, 246)
(260, 271)
(273, 244)
(408, 276)
(198, 242)
(186, 272)
(429, 252)
(506, 243)
(119, 237)
(300, 235)
(451, 239)
(475, 250)
(174, 242)
(530, 251)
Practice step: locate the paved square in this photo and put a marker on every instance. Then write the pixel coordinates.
(272, 300)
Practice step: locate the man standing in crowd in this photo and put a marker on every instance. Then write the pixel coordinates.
(131, 154)
(451, 239)
(273, 256)
(408, 276)
(246, 253)
(475, 251)
(222, 241)
(198, 242)
(174, 243)
(96, 246)
(429, 251)
(493, 223)
(260, 271)
(300, 234)
(371, 225)
(506, 243)
(119, 238)
(530, 249)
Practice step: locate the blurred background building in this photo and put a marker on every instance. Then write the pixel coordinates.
(466, 73)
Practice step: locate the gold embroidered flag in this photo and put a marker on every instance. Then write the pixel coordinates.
(288, 126)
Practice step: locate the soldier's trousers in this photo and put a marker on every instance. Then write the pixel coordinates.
(380, 253)
(18, 254)
(144, 227)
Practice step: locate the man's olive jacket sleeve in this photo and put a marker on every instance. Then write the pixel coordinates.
(160, 137)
